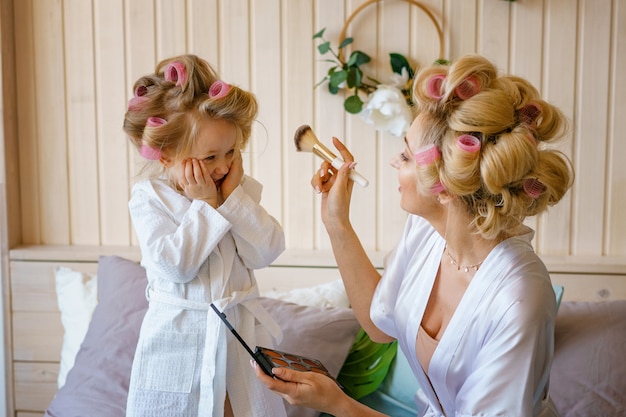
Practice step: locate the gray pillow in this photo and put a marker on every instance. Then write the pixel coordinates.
(588, 376)
(97, 385)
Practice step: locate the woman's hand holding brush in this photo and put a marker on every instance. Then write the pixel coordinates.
(335, 187)
(306, 141)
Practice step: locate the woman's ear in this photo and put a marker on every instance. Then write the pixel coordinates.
(444, 197)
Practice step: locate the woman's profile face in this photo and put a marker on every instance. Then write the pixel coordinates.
(411, 199)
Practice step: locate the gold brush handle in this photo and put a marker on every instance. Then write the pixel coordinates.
(323, 152)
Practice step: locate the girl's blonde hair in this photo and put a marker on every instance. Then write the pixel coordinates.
(183, 103)
(515, 172)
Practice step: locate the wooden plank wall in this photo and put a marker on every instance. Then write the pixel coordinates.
(76, 61)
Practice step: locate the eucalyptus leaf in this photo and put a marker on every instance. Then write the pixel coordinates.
(319, 34)
(358, 58)
(346, 42)
(323, 47)
(354, 77)
(353, 104)
(398, 62)
(337, 78)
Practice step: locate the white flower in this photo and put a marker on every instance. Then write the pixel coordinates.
(399, 80)
(387, 110)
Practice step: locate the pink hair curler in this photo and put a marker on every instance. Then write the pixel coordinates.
(438, 188)
(155, 122)
(468, 143)
(433, 87)
(530, 113)
(468, 88)
(533, 187)
(219, 89)
(141, 91)
(427, 155)
(136, 103)
(148, 152)
(175, 72)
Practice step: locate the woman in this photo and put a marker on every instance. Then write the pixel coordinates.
(468, 300)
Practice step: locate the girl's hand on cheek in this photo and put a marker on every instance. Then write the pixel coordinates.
(234, 176)
(197, 184)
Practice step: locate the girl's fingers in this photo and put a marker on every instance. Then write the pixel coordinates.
(198, 174)
(188, 170)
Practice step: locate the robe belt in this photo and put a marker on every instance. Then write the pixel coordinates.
(247, 298)
(213, 373)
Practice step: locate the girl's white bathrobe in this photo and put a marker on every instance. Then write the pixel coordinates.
(186, 360)
(495, 355)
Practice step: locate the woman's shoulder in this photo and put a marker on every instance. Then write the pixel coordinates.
(524, 281)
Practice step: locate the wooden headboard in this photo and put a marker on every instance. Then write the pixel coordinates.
(37, 332)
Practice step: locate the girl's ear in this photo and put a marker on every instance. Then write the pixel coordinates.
(166, 161)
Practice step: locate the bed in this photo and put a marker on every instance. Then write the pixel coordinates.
(76, 315)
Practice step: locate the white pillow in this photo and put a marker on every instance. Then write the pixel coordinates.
(330, 294)
(77, 298)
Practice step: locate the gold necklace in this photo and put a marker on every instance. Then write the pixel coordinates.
(465, 268)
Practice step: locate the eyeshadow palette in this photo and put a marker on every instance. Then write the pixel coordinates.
(270, 358)
(278, 359)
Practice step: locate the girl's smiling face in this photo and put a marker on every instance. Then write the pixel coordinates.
(215, 148)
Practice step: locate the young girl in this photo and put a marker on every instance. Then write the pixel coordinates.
(201, 231)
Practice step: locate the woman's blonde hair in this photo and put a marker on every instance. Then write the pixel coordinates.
(511, 172)
(177, 94)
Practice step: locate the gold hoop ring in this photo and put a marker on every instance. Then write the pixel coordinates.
(342, 35)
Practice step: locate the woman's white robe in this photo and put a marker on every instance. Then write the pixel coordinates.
(495, 355)
(186, 360)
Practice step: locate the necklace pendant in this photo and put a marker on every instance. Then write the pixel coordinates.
(466, 268)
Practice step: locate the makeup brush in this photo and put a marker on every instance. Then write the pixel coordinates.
(306, 141)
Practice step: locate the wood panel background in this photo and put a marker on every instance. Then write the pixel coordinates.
(68, 66)
(76, 60)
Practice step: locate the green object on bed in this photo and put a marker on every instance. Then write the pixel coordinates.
(366, 366)
(395, 396)
(558, 292)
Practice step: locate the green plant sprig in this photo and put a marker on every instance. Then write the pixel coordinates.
(348, 74)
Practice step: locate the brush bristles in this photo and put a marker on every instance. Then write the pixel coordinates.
(305, 139)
